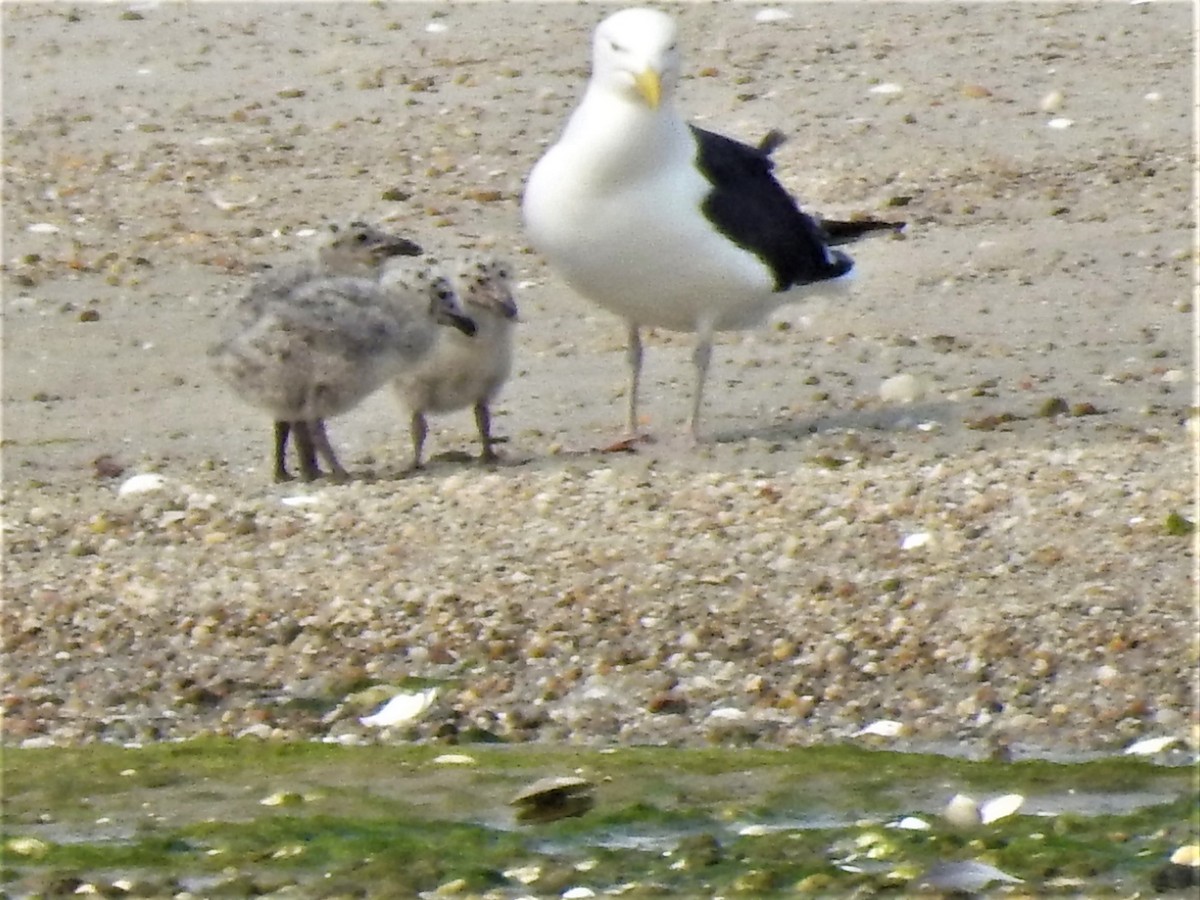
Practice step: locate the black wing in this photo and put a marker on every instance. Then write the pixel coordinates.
(753, 210)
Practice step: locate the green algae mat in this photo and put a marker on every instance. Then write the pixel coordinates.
(248, 818)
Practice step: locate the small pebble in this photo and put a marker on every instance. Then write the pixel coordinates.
(142, 484)
(772, 15)
(1052, 102)
(902, 388)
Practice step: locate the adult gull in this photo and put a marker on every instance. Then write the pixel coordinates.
(665, 224)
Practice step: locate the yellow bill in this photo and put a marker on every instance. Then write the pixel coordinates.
(649, 87)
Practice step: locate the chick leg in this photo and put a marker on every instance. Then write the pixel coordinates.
(418, 428)
(483, 421)
(282, 431)
(321, 445)
(304, 446)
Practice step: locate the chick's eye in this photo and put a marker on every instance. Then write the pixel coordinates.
(615, 47)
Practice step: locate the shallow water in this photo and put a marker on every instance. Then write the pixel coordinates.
(244, 817)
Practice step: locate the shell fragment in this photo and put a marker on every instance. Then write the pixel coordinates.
(402, 708)
(999, 808)
(556, 797)
(1151, 746)
(887, 728)
(969, 876)
(141, 484)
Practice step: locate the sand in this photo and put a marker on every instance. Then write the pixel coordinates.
(1017, 369)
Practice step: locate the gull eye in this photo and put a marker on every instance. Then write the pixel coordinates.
(615, 47)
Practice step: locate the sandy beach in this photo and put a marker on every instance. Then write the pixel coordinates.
(954, 500)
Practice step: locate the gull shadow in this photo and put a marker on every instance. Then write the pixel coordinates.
(450, 461)
(890, 419)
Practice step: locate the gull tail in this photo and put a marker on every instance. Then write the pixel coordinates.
(845, 231)
(835, 231)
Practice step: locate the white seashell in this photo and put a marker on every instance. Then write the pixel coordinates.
(911, 823)
(1052, 102)
(141, 484)
(888, 87)
(43, 228)
(1153, 97)
(343, 740)
(772, 15)
(1187, 855)
(915, 541)
(27, 846)
(888, 728)
(437, 27)
(999, 807)
(728, 713)
(1060, 123)
(213, 141)
(1150, 746)
(402, 708)
(578, 893)
(229, 205)
(454, 759)
(282, 798)
(300, 500)
(523, 874)
(961, 811)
